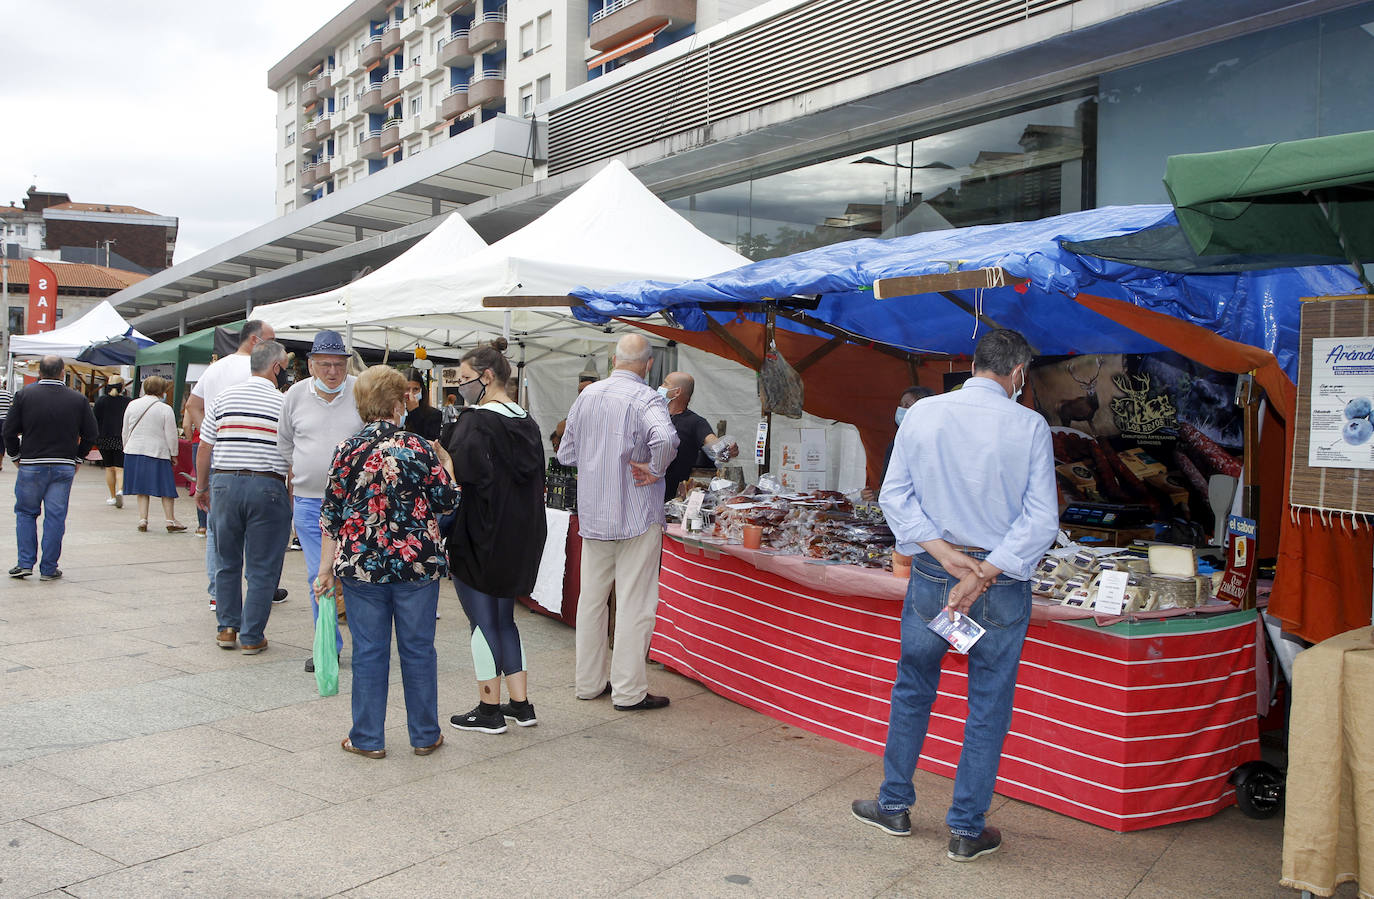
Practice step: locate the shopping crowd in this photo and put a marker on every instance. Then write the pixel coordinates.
(389, 496)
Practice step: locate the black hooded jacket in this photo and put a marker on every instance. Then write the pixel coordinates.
(497, 538)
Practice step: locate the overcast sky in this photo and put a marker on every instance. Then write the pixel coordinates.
(156, 104)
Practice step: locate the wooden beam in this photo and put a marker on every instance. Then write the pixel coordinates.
(750, 359)
(818, 354)
(958, 301)
(887, 288)
(802, 318)
(530, 302)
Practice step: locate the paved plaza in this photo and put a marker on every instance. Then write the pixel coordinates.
(139, 759)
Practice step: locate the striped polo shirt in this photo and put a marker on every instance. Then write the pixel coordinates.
(242, 425)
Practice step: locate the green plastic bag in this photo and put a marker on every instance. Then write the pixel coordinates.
(326, 643)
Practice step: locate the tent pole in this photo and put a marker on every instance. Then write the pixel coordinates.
(505, 326)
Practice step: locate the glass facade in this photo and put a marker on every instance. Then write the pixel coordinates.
(1016, 167)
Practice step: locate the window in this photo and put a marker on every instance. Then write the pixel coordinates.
(543, 89)
(417, 103)
(290, 173)
(289, 207)
(415, 61)
(362, 132)
(290, 135)
(544, 25)
(526, 40)
(436, 94)
(343, 99)
(527, 101)
(289, 97)
(17, 319)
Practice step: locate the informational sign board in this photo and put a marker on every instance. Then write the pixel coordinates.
(1342, 403)
(1240, 560)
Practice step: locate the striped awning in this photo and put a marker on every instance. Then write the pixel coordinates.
(643, 40)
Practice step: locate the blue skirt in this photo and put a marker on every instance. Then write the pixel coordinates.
(146, 476)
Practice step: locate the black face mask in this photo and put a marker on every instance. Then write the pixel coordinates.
(283, 378)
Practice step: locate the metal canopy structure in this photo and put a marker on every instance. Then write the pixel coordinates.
(319, 245)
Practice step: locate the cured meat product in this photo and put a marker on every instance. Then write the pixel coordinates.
(1218, 459)
(1190, 472)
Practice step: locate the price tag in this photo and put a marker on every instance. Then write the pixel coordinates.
(1111, 592)
(761, 443)
(694, 500)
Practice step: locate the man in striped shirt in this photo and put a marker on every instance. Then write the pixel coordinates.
(241, 482)
(621, 438)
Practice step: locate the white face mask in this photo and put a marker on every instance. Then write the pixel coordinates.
(1016, 393)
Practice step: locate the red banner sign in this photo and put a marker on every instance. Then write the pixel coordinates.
(42, 298)
(1240, 560)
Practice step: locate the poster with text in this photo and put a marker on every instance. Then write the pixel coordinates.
(1342, 401)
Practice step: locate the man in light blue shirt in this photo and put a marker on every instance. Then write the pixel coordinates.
(970, 495)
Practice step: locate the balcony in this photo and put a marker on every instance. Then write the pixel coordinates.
(324, 125)
(391, 134)
(324, 84)
(450, 6)
(413, 26)
(488, 88)
(309, 93)
(307, 179)
(370, 99)
(370, 52)
(455, 103)
(391, 38)
(391, 87)
(487, 32)
(322, 170)
(455, 50)
(624, 20)
(309, 137)
(371, 147)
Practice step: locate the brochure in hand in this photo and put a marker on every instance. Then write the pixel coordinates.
(961, 633)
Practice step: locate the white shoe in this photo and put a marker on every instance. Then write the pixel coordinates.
(112, 502)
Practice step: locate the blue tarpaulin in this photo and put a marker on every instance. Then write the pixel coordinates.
(1258, 308)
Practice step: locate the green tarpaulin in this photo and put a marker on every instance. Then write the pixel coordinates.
(1304, 197)
(197, 348)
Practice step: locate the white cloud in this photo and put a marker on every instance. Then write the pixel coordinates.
(159, 105)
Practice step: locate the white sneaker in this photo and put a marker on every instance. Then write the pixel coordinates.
(212, 605)
(112, 502)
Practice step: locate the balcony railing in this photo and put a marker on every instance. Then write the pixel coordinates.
(454, 49)
(486, 74)
(611, 6)
(309, 92)
(390, 85)
(488, 86)
(455, 101)
(391, 37)
(370, 51)
(488, 30)
(619, 21)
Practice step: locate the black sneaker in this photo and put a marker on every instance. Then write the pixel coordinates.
(56, 574)
(522, 713)
(966, 849)
(493, 723)
(17, 571)
(310, 665)
(279, 597)
(897, 824)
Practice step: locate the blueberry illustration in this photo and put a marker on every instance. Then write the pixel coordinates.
(1357, 431)
(1358, 408)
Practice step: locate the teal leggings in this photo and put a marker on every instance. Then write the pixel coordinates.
(496, 647)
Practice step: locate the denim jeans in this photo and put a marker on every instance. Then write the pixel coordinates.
(305, 513)
(44, 488)
(992, 664)
(372, 608)
(251, 522)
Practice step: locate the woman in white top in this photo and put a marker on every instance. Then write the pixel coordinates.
(150, 440)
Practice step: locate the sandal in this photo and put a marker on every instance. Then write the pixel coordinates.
(143, 524)
(173, 526)
(348, 746)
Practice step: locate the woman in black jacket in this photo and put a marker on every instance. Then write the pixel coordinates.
(497, 539)
(421, 417)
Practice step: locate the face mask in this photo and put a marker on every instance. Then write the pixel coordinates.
(901, 413)
(668, 393)
(282, 378)
(322, 387)
(1016, 394)
(472, 391)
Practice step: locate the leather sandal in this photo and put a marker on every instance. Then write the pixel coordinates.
(348, 746)
(173, 526)
(143, 525)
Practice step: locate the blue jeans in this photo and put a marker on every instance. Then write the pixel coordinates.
(305, 513)
(44, 488)
(251, 521)
(992, 664)
(371, 610)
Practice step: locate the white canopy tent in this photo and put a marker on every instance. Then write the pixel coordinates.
(611, 229)
(101, 337)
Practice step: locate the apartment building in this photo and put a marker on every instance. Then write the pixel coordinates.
(117, 236)
(382, 82)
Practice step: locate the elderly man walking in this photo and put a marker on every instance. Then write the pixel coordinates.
(621, 438)
(49, 427)
(317, 416)
(970, 494)
(241, 482)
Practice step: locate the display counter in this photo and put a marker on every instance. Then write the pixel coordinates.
(1127, 726)
(558, 587)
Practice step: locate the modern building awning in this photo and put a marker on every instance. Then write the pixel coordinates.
(643, 40)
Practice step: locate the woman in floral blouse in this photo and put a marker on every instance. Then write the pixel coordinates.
(387, 488)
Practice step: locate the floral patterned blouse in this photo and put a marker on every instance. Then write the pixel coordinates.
(386, 491)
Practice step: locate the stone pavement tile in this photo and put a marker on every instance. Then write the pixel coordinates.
(46, 726)
(62, 650)
(324, 721)
(33, 861)
(176, 816)
(1225, 855)
(259, 683)
(704, 721)
(25, 684)
(763, 860)
(126, 766)
(663, 817)
(782, 761)
(26, 790)
(526, 860)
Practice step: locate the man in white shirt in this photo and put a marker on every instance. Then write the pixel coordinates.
(226, 372)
